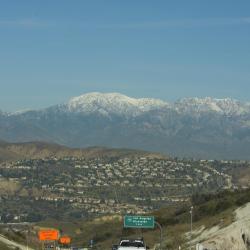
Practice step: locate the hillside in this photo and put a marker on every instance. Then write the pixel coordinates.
(225, 215)
(235, 235)
(40, 150)
(215, 218)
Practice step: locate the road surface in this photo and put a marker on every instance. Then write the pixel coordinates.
(4, 240)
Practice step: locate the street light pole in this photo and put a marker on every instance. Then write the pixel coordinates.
(191, 225)
(27, 238)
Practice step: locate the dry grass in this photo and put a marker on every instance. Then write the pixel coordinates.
(243, 177)
(39, 150)
(9, 187)
(4, 247)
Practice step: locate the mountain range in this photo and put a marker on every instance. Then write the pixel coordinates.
(191, 127)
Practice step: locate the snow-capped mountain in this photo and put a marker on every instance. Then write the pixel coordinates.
(3, 113)
(225, 106)
(118, 104)
(112, 103)
(196, 127)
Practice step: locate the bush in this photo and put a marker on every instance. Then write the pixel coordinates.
(243, 199)
(223, 205)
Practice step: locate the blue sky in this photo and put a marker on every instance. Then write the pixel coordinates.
(53, 50)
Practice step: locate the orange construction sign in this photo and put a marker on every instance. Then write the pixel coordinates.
(65, 240)
(49, 234)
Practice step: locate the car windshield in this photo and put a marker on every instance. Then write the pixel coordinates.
(132, 244)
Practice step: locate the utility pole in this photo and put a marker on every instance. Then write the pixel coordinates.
(191, 225)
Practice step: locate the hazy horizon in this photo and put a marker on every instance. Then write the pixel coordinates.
(52, 51)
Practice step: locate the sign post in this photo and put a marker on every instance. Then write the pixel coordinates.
(142, 222)
(139, 221)
(48, 235)
(65, 241)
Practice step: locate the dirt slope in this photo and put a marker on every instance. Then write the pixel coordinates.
(233, 237)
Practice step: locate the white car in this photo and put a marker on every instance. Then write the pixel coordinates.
(128, 244)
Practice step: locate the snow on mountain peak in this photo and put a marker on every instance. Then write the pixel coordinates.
(3, 113)
(226, 106)
(115, 103)
(119, 104)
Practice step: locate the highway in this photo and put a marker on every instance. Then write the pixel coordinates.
(4, 240)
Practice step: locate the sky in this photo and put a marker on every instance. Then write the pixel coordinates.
(51, 51)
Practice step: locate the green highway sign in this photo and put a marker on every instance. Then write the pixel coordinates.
(139, 221)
